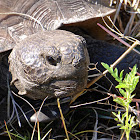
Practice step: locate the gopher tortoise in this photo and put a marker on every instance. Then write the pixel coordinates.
(44, 61)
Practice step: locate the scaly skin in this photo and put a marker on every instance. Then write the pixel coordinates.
(50, 63)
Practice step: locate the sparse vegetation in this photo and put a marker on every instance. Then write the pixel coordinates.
(88, 121)
(126, 87)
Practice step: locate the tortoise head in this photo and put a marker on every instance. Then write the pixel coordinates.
(50, 63)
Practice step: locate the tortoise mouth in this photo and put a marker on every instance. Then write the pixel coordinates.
(59, 88)
(56, 88)
(63, 87)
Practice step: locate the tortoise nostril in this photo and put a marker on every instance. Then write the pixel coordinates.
(53, 61)
(59, 59)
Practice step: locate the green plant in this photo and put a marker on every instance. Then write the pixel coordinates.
(126, 86)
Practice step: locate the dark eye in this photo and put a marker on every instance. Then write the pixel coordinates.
(51, 60)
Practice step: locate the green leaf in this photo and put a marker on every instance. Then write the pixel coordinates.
(126, 78)
(121, 75)
(129, 127)
(120, 101)
(132, 96)
(123, 92)
(123, 116)
(129, 117)
(122, 85)
(106, 66)
(116, 72)
(113, 73)
(132, 120)
(116, 119)
(134, 124)
(134, 70)
(120, 125)
(123, 127)
(114, 113)
(135, 81)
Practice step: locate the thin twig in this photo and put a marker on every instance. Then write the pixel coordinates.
(116, 37)
(118, 10)
(62, 118)
(90, 102)
(46, 134)
(131, 20)
(37, 118)
(131, 39)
